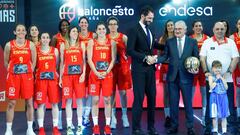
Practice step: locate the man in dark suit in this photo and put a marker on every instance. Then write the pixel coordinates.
(140, 48)
(177, 49)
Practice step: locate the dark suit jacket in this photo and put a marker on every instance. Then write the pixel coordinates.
(176, 64)
(138, 48)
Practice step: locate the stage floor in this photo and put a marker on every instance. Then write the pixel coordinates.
(20, 125)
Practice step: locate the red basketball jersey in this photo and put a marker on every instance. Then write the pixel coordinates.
(73, 59)
(46, 62)
(237, 40)
(121, 47)
(60, 40)
(20, 56)
(102, 54)
(200, 42)
(85, 39)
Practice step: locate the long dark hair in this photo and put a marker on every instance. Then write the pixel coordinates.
(165, 34)
(77, 41)
(29, 36)
(228, 29)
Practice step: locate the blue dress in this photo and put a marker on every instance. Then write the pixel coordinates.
(218, 100)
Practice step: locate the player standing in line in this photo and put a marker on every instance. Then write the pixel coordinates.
(84, 37)
(168, 33)
(101, 54)
(72, 76)
(236, 74)
(47, 82)
(200, 77)
(121, 71)
(57, 40)
(20, 61)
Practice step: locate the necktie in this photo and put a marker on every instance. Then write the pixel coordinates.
(180, 47)
(148, 36)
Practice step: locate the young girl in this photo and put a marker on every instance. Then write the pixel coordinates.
(72, 76)
(47, 82)
(101, 57)
(122, 74)
(218, 98)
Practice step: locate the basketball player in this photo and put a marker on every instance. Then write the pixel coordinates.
(47, 82)
(236, 37)
(57, 40)
(20, 61)
(84, 37)
(168, 33)
(72, 76)
(121, 71)
(200, 77)
(101, 57)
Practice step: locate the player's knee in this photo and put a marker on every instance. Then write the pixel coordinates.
(107, 100)
(123, 93)
(95, 101)
(11, 104)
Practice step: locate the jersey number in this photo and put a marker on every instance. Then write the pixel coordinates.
(74, 58)
(103, 55)
(21, 59)
(46, 65)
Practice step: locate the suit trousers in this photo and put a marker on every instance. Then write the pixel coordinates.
(174, 93)
(143, 83)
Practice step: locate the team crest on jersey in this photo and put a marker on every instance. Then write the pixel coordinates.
(66, 91)
(93, 88)
(102, 65)
(74, 69)
(20, 68)
(46, 75)
(11, 91)
(39, 95)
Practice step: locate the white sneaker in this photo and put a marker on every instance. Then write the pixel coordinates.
(69, 131)
(113, 122)
(60, 120)
(203, 121)
(79, 131)
(72, 127)
(30, 132)
(125, 121)
(8, 132)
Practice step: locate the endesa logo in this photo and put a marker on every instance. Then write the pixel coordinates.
(185, 11)
(69, 11)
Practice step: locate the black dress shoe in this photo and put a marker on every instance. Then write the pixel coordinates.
(214, 133)
(138, 132)
(152, 131)
(207, 132)
(190, 131)
(167, 123)
(172, 131)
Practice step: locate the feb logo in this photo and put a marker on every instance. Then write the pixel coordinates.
(67, 11)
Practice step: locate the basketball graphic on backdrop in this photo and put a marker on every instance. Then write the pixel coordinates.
(67, 11)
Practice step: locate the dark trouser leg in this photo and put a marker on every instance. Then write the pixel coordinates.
(187, 99)
(208, 120)
(138, 79)
(151, 97)
(174, 95)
